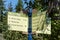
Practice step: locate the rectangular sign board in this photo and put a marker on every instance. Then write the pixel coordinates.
(17, 22)
(44, 24)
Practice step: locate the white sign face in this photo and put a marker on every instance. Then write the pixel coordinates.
(44, 28)
(35, 23)
(17, 23)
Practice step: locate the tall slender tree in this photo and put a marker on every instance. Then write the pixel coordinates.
(1, 5)
(19, 6)
(1, 12)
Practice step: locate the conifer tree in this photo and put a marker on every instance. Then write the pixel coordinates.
(19, 6)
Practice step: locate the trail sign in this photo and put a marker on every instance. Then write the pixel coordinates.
(19, 22)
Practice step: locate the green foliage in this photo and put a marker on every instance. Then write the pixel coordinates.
(2, 5)
(54, 31)
(14, 35)
(1, 25)
(55, 25)
(9, 34)
(39, 5)
(19, 6)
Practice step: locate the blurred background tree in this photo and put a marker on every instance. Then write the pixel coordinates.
(8, 34)
(1, 5)
(1, 12)
(53, 10)
(19, 6)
